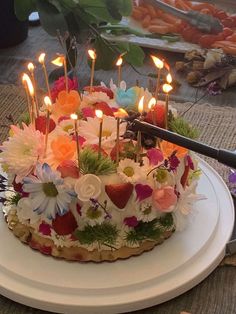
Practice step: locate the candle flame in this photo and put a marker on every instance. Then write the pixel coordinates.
(30, 67)
(26, 79)
(167, 88)
(59, 61)
(74, 116)
(121, 113)
(169, 78)
(99, 114)
(158, 63)
(151, 103)
(119, 62)
(92, 54)
(141, 104)
(42, 58)
(47, 101)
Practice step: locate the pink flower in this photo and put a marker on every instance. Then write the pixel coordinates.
(45, 228)
(88, 112)
(164, 199)
(155, 156)
(143, 191)
(60, 85)
(131, 221)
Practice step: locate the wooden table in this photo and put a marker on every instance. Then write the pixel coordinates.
(217, 293)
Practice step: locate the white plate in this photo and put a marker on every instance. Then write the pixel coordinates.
(176, 266)
(179, 46)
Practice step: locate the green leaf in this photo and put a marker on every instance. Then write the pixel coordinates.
(125, 7)
(106, 56)
(51, 19)
(113, 9)
(135, 55)
(23, 8)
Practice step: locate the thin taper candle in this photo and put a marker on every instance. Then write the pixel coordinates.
(75, 118)
(31, 70)
(48, 104)
(99, 115)
(41, 61)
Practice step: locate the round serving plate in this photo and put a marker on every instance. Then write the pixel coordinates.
(28, 277)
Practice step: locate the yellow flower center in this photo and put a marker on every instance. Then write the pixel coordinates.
(106, 133)
(68, 127)
(128, 171)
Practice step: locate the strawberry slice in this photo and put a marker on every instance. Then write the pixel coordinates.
(40, 124)
(106, 109)
(102, 89)
(65, 224)
(119, 194)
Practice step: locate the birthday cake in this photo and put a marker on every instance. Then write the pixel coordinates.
(84, 186)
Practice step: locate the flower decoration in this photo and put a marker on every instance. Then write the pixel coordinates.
(66, 103)
(146, 212)
(62, 148)
(25, 211)
(164, 199)
(88, 187)
(168, 148)
(127, 99)
(155, 156)
(60, 85)
(90, 130)
(129, 170)
(22, 151)
(143, 191)
(131, 221)
(68, 168)
(48, 193)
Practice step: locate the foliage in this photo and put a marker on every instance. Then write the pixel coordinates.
(83, 18)
(149, 230)
(182, 127)
(14, 199)
(24, 118)
(90, 163)
(103, 234)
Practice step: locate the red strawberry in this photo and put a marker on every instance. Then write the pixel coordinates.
(119, 194)
(105, 108)
(65, 224)
(158, 115)
(102, 89)
(68, 168)
(40, 124)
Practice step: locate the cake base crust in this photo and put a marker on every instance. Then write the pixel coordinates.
(46, 246)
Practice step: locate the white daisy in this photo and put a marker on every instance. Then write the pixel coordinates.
(22, 151)
(92, 215)
(145, 211)
(48, 193)
(66, 126)
(25, 211)
(90, 131)
(130, 171)
(187, 197)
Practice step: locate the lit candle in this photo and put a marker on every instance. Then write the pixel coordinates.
(61, 61)
(42, 62)
(24, 82)
(31, 70)
(159, 64)
(169, 78)
(99, 115)
(139, 135)
(48, 104)
(151, 105)
(119, 114)
(166, 89)
(75, 118)
(119, 64)
(30, 87)
(93, 56)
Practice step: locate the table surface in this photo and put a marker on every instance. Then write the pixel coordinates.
(217, 293)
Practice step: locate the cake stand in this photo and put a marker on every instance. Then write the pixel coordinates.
(28, 277)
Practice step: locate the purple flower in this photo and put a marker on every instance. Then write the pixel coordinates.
(155, 156)
(131, 221)
(232, 177)
(173, 162)
(143, 191)
(214, 89)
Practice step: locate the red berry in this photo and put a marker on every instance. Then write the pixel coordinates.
(65, 224)
(119, 194)
(40, 124)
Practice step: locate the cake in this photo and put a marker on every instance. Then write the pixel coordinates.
(72, 197)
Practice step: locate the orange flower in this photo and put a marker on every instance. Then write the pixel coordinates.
(63, 148)
(67, 103)
(168, 148)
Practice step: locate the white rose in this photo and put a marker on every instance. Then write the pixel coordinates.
(88, 186)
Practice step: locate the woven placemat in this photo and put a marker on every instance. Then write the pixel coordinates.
(216, 126)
